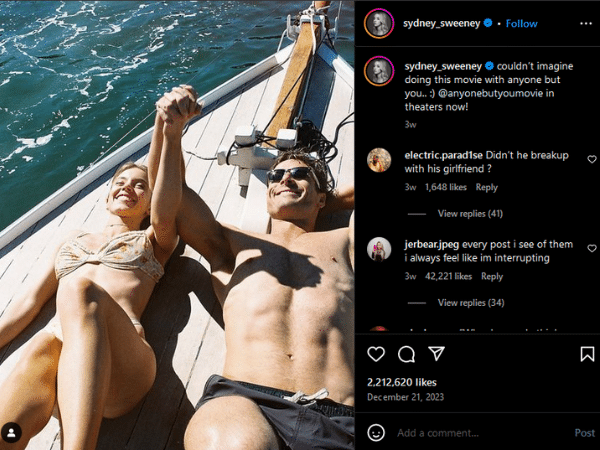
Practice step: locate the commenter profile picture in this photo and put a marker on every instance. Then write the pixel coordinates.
(379, 249)
(379, 71)
(379, 160)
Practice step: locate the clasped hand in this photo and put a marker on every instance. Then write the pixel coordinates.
(176, 108)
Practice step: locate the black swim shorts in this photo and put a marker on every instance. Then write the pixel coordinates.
(322, 424)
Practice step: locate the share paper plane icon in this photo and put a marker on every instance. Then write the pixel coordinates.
(437, 352)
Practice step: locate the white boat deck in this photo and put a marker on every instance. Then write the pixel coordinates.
(183, 321)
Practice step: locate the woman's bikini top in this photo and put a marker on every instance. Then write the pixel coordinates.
(126, 251)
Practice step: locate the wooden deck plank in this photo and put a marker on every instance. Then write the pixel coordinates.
(197, 158)
(48, 438)
(345, 145)
(192, 137)
(339, 108)
(209, 143)
(269, 98)
(6, 261)
(255, 217)
(209, 360)
(223, 184)
(196, 167)
(246, 113)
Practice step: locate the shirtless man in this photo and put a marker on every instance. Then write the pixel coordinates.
(288, 308)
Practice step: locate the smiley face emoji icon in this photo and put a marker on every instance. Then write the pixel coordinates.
(376, 432)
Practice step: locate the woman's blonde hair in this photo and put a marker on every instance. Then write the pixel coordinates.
(126, 166)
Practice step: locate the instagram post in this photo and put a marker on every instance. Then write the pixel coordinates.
(183, 263)
(176, 253)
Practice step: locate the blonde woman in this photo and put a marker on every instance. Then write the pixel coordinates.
(380, 24)
(92, 359)
(378, 253)
(380, 72)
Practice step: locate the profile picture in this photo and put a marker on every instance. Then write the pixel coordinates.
(379, 23)
(379, 160)
(379, 249)
(379, 71)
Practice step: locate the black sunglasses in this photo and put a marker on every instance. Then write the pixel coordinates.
(297, 173)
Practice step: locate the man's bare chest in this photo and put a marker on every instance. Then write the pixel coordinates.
(300, 264)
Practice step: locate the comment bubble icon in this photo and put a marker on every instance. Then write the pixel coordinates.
(406, 354)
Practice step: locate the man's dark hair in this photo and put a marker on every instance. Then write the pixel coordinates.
(318, 166)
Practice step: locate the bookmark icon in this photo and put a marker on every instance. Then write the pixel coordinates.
(588, 353)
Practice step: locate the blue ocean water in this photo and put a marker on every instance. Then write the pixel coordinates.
(75, 77)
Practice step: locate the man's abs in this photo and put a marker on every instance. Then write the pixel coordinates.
(291, 339)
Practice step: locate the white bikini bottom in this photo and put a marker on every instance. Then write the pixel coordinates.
(55, 329)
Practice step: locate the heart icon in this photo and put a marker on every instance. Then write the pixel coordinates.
(592, 158)
(376, 353)
(592, 248)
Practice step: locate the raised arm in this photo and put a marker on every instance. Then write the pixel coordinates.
(340, 199)
(158, 140)
(196, 223)
(174, 110)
